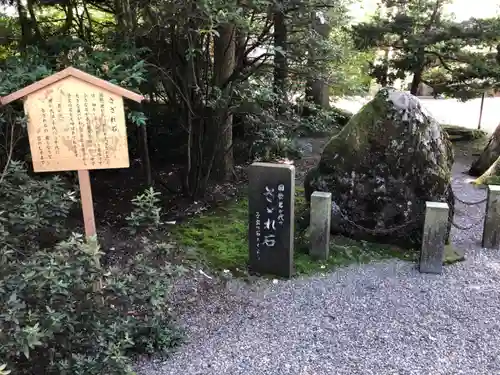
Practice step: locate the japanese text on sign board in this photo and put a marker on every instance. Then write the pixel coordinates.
(267, 223)
(74, 125)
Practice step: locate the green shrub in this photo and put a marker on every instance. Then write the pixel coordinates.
(146, 213)
(33, 209)
(341, 116)
(273, 143)
(269, 122)
(55, 321)
(317, 121)
(54, 318)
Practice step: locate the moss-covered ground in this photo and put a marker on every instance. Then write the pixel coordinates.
(221, 239)
(462, 134)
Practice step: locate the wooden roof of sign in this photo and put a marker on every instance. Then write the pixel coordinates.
(71, 72)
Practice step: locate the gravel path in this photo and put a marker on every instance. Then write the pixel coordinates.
(383, 318)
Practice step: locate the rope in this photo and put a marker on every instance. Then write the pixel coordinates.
(470, 203)
(403, 226)
(468, 227)
(465, 202)
(378, 231)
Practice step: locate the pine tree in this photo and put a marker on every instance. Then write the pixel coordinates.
(412, 33)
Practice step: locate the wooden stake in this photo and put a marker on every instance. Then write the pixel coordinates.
(88, 217)
(87, 204)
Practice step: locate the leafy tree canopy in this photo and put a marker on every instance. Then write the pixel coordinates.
(419, 37)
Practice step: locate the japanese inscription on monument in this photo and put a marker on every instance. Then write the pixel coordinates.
(76, 126)
(271, 219)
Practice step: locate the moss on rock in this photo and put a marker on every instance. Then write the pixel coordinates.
(382, 167)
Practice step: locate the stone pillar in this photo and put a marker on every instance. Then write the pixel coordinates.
(491, 231)
(321, 213)
(434, 237)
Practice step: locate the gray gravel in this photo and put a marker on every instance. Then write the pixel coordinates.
(384, 318)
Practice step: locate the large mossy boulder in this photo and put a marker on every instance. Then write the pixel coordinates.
(383, 166)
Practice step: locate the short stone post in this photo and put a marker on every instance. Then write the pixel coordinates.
(321, 213)
(434, 237)
(491, 231)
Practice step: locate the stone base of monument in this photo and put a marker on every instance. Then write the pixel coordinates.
(453, 255)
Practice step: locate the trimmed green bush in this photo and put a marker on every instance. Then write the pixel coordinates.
(61, 312)
(55, 319)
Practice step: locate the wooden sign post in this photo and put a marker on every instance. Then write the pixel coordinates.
(76, 122)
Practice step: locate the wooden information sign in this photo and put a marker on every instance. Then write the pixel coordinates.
(76, 122)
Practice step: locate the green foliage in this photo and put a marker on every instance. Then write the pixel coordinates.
(146, 214)
(412, 30)
(120, 64)
(350, 70)
(318, 121)
(18, 72)
(492, 180)
(28, 207)
(269, 122)
(473, 66)
(56, 320)
(182, 67)
(426, 43)
(137, 118)
(60, 311)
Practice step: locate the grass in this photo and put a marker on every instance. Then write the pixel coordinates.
(492, 180)
(345, 251)
(221, 236)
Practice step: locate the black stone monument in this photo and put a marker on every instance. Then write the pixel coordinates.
(271, 197)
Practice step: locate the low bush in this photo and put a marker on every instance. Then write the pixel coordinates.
(61, 312)
(269, 124)
(323, 122)
(56, 321)
(33, 211)
(341, 116)
(146, 214)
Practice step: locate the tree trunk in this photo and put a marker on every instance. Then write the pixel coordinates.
(318, 93)
(280, 58)
(24, 21)
(417, 78)
(146, 160)
(317, 89)
(489, 155)
(125, 19)
(222, 122)
(193, 118)
(493, 170)
(241, 42)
